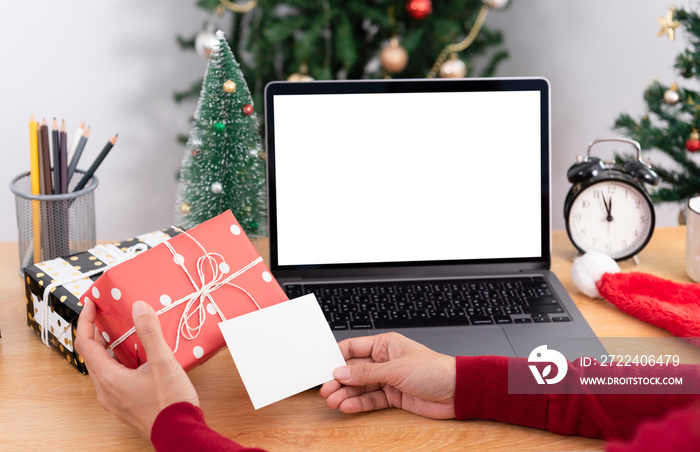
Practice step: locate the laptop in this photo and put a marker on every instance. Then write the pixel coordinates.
(422, 207)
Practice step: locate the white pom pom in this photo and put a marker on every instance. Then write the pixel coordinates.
(589, 268)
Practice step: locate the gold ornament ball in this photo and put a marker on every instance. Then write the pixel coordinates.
(394, 57)
(297, 77)
(453, 68)
(301, 76)
(185, 208)
(229, 86)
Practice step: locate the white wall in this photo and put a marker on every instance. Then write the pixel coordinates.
(599, 56)
(115, 64)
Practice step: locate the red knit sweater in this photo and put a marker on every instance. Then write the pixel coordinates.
(633, 422)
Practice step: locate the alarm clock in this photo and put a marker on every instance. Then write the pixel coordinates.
(608, 208)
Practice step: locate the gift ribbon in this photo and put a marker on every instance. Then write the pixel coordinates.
(111, 250)
(194, 302)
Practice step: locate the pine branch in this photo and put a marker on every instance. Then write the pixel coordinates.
(186, 43)
(191, 93)
(496, 59)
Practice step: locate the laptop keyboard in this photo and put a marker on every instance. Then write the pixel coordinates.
(407, 304)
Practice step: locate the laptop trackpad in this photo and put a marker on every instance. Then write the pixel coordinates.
(460, 341)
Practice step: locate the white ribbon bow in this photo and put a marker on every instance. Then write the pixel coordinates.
(194, 302)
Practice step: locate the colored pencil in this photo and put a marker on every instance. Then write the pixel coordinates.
(42, 179)
(61, 234)
(45, 173)
(63, 158)
(34, 157)
(54, 148)
(76, 139)
(78, 152)
(36, 188)
(46, 157)
(91, 171)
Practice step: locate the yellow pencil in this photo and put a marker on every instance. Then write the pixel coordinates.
(36, 188)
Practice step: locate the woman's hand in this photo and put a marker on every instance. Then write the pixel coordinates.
(392, 371)
(135, 396)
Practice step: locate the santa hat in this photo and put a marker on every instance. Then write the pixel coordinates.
(672, 306)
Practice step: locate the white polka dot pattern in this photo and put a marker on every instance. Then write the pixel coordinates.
(165, 300)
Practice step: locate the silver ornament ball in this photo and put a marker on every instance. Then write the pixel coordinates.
(495, 4)
(216, 188)
(203, 43)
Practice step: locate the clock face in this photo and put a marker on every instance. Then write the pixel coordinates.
(611, 217)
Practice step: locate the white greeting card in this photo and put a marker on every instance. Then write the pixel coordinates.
(282, 350)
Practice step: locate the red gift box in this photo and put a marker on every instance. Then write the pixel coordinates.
(193, 281)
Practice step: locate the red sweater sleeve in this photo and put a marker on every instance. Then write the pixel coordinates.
(181, 427)
(482, 391)
(679, 431)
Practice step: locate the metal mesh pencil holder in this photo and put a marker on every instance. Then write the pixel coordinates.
(51, 226)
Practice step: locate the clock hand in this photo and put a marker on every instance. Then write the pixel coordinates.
(608, 208)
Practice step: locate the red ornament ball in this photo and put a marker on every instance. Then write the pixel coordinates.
(419, 9)
(692, 144)
(195, 152)
(247, 109)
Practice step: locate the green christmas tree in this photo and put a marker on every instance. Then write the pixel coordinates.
(673, 118)
(355, 39)
(224, 166)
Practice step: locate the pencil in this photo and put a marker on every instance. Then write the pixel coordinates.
(45, 174)
(63, 158)
(61, 213)
(42, 179)
(76, 139)
(91, 171)
(54, 149)
(36, 188)
(78, 152)
(46, 157)
(34, 157)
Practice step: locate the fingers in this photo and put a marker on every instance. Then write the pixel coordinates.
(93, 351)
(371, 401)
(365, 401)
(86, 321)
(100, 339)
(362, 374)
(329, 388)
(149, 332)
(380, 347)
(358, 347)
(332, 387)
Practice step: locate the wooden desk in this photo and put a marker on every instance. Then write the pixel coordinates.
(45, 403)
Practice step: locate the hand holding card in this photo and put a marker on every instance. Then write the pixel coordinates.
(283, 349)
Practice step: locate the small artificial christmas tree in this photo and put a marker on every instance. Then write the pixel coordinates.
(224, 166)
(354, 39)
(675, 117)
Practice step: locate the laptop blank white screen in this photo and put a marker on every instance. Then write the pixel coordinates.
(403, 177)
